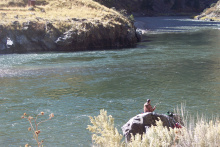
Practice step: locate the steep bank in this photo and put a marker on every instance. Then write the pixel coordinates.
(64, 26)
(32, 36)
(212, 13)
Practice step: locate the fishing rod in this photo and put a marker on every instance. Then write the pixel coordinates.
(164, 89)
(157, 104)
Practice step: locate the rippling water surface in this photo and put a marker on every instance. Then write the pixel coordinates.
(176, 63)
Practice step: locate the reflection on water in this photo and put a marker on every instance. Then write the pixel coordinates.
(170, 68)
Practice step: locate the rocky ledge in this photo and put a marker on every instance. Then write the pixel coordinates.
(210, 14)
(77, 35)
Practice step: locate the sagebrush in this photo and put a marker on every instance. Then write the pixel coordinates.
(202, 134)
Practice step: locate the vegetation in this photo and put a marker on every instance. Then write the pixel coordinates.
(56, 11)
(212, 13)
(105, 134)
(201, 134)
(35, 128)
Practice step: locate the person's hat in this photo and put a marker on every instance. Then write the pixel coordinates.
(148, 100)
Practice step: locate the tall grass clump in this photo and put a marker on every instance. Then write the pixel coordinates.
(202, 133)
(58, 11)
(34, 128)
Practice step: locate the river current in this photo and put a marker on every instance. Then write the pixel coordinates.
(177, 62)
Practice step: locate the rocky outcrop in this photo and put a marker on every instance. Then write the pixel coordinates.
(33, 36)
(210, 14)
(139, 123)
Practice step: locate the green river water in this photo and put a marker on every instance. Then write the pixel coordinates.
(177, 62)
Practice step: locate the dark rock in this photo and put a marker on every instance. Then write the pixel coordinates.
(34, 36)
(39, 18)
(1, 28)
(49, 26)
(26, 25)
(15, 23)
(31, 9)
(75, 19)
(16, 16)
(139, 123)
(42, 10)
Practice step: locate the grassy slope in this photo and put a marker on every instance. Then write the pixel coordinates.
(212, 13)
(57, 10)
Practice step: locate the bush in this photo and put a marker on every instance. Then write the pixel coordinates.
(200, 134)
(104, 132)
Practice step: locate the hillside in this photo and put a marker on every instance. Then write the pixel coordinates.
(212, 13)
(56, 10)
(160, 7)
(62, 25)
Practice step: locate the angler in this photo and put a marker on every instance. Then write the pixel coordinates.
(148, 107)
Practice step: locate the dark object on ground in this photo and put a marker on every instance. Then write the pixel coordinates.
(139, 123)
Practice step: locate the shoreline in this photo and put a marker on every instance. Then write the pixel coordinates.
(56, 26)
(67, 27)
(33, 36)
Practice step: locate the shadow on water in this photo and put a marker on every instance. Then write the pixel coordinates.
(172, 24)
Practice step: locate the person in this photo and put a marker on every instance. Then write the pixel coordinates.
(148, 107)
(31, 3)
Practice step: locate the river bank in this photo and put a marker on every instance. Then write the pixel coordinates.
(66, 26)
(32, 36)
(81, 25)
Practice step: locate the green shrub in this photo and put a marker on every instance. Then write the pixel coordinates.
(131, 18)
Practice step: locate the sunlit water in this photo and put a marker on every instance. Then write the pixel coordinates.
(170, 67)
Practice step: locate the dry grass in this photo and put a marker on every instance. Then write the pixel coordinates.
(104, 132)
(200, 134)
(57, 10)
(212, 13)
(34, 127)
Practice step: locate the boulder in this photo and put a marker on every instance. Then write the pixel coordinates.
(139, 123)
(32, 36)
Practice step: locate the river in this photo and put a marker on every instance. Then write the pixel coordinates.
(177, 62)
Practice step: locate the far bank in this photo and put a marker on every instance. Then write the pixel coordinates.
(64, 26)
